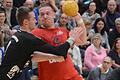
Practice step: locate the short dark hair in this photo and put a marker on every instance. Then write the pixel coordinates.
(23, 13)
(2, 10)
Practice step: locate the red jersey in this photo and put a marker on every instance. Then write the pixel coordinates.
(60, 70)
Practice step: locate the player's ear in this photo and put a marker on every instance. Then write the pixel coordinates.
(25, 22)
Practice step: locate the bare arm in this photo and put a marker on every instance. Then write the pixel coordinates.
(81, 27)
(40, 57)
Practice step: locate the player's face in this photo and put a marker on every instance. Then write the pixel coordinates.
(32, 21)
(47, 16)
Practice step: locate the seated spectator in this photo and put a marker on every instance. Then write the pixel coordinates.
(88, 27)
(110, 15)
(95, 53)
(10, 13)
(52, 3)
(64, 22)
(99, 27)
(102, 71)
(115, 33)
(5, 28)
(59, 13)
(90, 14)
(115, 53)
(83, 4)
(29, 4)
(83, 47)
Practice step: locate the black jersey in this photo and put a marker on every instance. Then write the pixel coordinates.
(19, 50)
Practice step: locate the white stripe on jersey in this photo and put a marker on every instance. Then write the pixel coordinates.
(15, 38)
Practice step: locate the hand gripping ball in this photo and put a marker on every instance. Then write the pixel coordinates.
(70, 8)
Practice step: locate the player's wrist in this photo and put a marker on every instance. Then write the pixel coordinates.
(71, 41)
(79, 22)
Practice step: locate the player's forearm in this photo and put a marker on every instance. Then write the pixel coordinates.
(38, 57)
(59, 50)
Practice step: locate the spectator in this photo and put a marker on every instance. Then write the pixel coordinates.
(115, 53)
(51, 2)
(59, 12)
(115, 33)
(111, 15)
(84, 4)
(88, 28)
(102, 71)
(90, 14)
(10, 13)
(29, 4)
(71, 22)
(4, 27)
(95, 53)
(64, 22)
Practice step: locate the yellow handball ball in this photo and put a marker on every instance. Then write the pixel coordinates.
(70, 8)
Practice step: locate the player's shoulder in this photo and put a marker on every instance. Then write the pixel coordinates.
(37, 30)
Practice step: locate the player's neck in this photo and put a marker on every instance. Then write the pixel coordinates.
(25, 29)
(51, 27)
